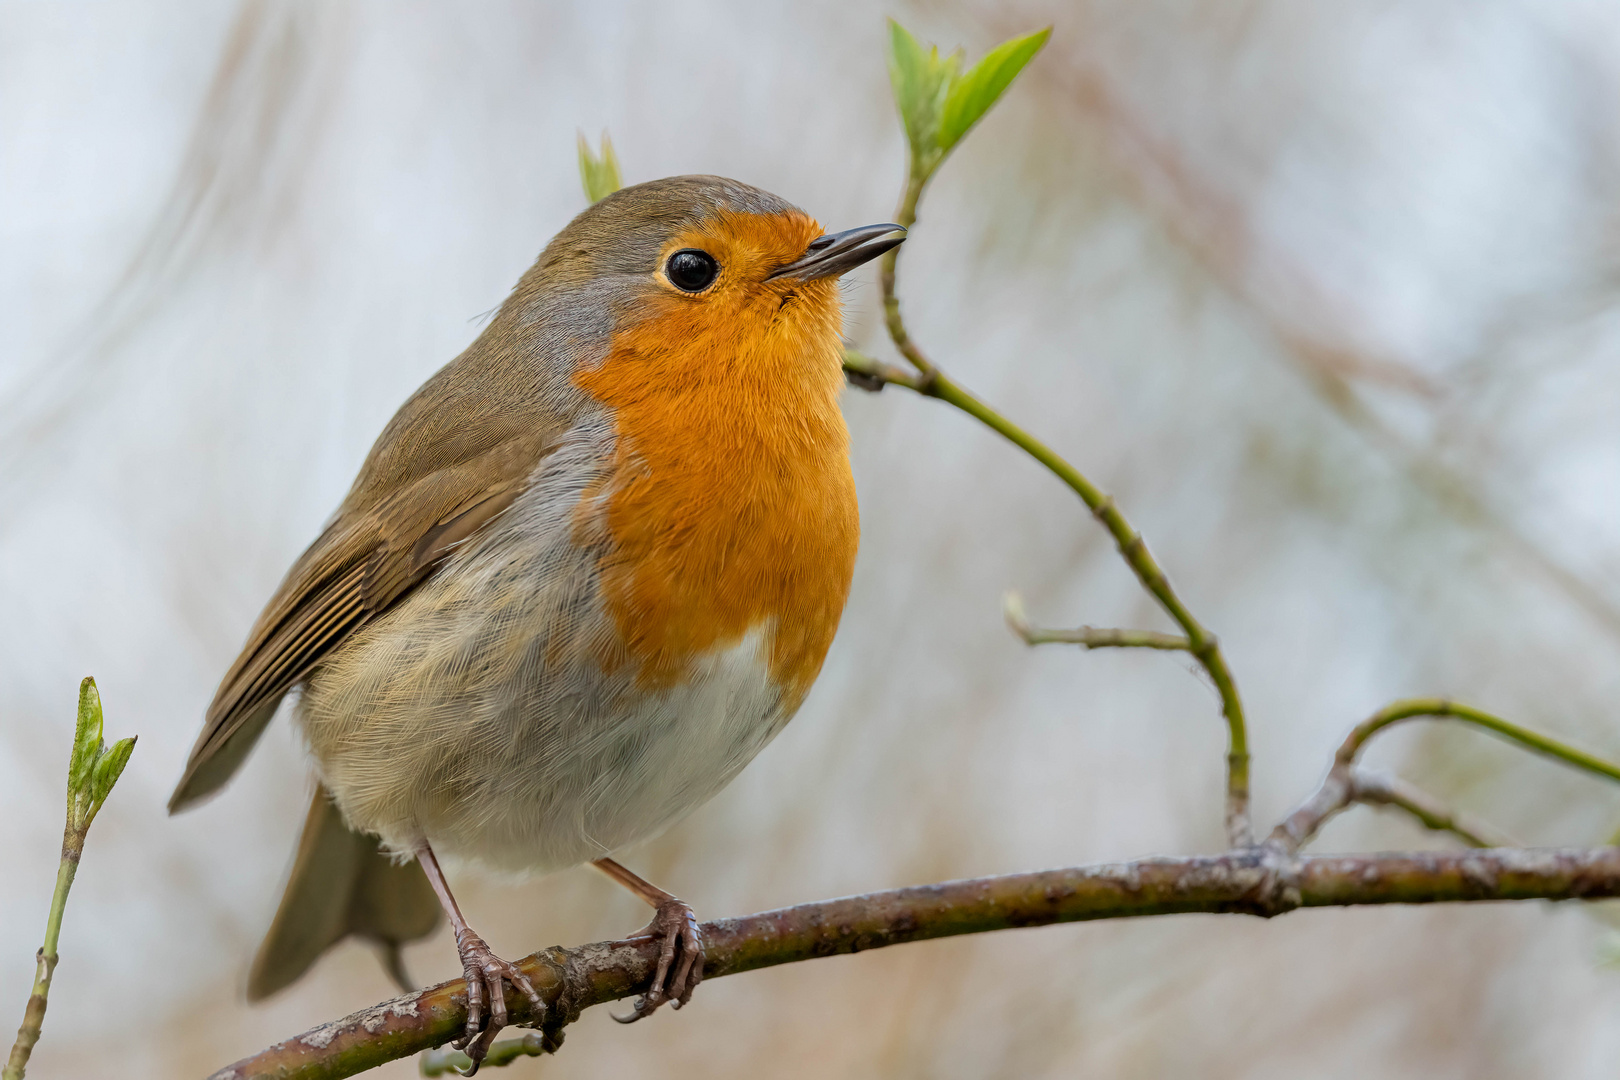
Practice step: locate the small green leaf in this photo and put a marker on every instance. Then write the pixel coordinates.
(599, 174)
(109, 769)
(937, 104)
(920, 80)
(971, 96)
(86, 740)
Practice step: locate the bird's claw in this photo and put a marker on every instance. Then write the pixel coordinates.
(486, 975)
(680, 958)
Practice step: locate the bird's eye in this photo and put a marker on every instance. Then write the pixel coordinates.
(692, 270)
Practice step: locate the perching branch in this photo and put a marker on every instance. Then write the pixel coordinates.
(93, 769)
(1253, 882)
(1268, 880)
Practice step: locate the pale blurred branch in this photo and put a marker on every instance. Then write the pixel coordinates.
(1217, 230)
(1466, 500)
(1090, 637)
(93, 769)
(1338, 790)
(1257, 881)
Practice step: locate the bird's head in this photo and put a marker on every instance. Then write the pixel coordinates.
(698, 276)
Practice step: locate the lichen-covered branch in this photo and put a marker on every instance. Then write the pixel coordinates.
(1262, 882)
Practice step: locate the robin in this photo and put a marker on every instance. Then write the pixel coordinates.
(586, 573)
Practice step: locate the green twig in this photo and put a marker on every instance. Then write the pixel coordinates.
(1338, 790)
(930, 381)
(905, 217)
(1436, 708)
(872, 374)
(93, 769)
(1090, 637)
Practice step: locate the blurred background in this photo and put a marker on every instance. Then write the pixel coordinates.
(1328, 295)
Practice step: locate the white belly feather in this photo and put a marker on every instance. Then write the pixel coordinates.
(477, 715)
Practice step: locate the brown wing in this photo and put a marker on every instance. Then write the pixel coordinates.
(387, 538)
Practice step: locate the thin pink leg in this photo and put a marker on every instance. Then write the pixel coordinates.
(675, 926)
(484, 971)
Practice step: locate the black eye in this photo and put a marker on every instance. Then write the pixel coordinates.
(691, 269)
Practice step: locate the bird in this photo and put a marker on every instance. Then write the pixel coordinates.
(586, 573)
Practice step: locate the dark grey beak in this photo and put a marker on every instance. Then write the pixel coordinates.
(840, 252)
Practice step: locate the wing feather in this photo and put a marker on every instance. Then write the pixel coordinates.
(380, 546)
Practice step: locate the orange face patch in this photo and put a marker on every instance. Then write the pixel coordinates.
(732, 504)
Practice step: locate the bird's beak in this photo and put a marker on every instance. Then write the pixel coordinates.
(840, 252)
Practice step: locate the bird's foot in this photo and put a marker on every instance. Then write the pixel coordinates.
(680, 958)
(486, 975)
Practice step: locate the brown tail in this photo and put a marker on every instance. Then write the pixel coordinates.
(341, 884)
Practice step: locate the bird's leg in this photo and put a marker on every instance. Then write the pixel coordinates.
(675, 926)
(483, 969)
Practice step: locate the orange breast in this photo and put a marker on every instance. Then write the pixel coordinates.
(732, 505)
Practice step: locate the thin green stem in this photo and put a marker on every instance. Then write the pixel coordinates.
(873, 374)
(1436, 708)
(45, 960)
(65, 872)
(1089, 637)
(905, 217)
(93, 769)
(1339, 789)
(931, 382)
(1200, 642)
(1107, 637)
